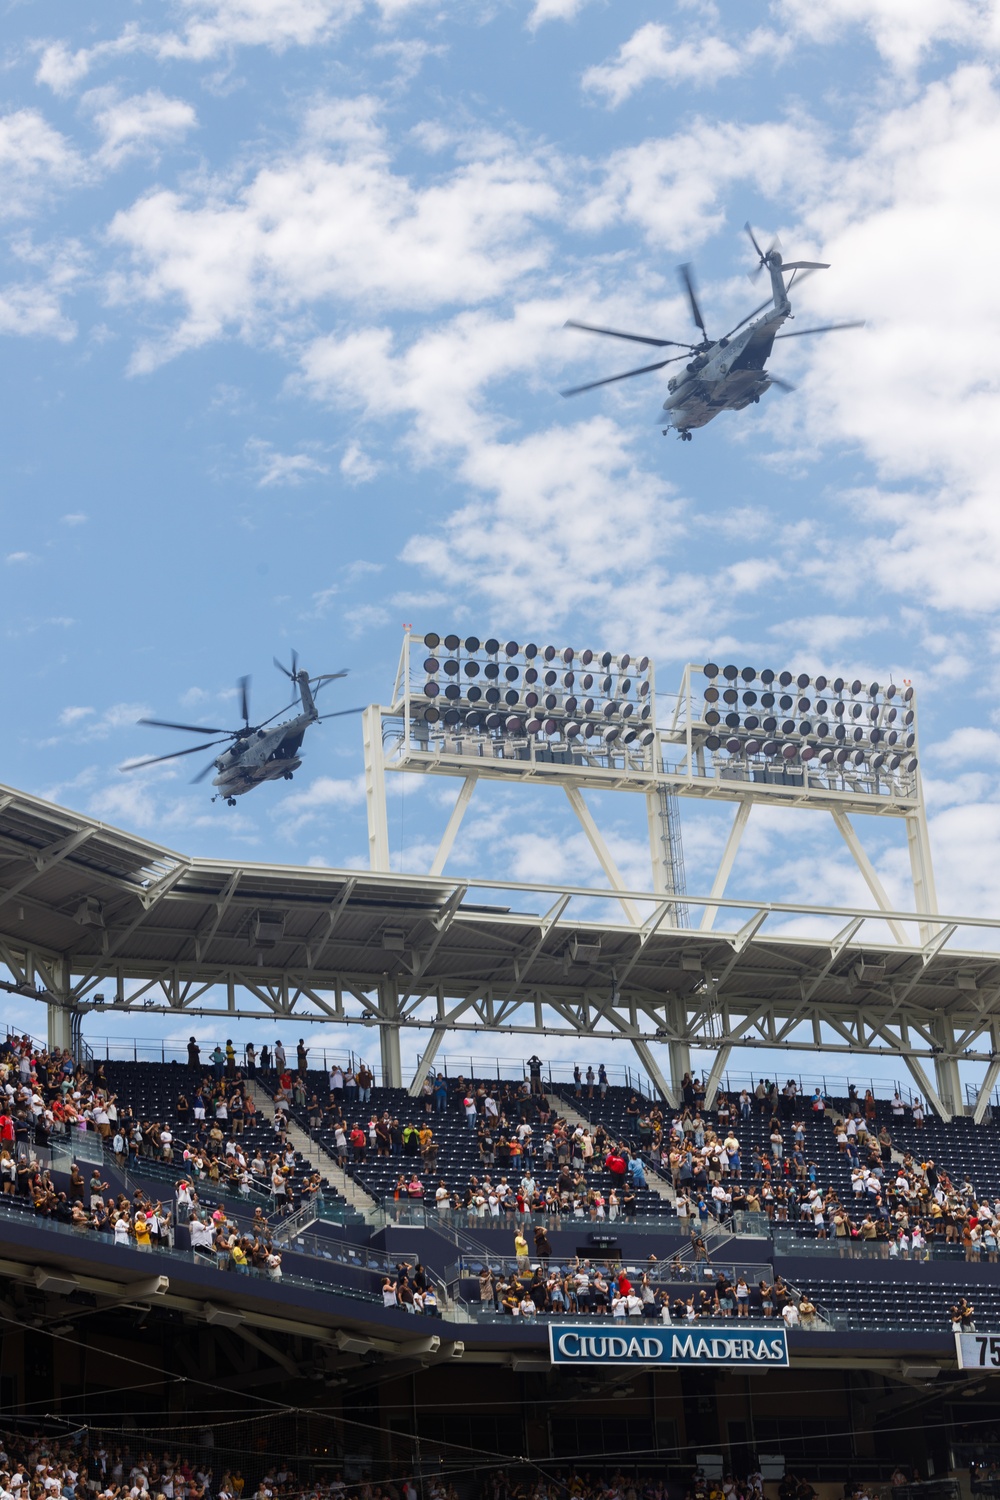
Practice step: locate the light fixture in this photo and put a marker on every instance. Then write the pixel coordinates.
(743, 724)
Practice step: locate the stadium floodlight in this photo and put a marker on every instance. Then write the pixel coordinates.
(753, 734)
(594, 704)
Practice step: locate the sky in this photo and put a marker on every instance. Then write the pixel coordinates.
(282, 304)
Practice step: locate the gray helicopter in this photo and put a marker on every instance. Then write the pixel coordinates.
(724, 374)
(256, 753)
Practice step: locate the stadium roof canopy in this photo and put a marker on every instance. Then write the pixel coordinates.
(96, 917)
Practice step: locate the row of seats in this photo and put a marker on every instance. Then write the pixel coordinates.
(458, 1157)
(151, 1091)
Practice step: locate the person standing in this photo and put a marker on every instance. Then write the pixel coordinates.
(279, 1057)
(194, 1053)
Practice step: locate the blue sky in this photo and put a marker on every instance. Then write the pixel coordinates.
(282, 311)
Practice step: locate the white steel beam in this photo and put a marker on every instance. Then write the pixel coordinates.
(985, 1090)
(858, 854)
(726, 863)
(715, 1075)
(600, 848)
(378, 818)
(921, 865)
(923, 1082)
(645, 1055)
(426, 1062)
(452, 826)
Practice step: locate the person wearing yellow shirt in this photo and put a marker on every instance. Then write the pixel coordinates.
(141, 1231)
(239, 1256)
(521, 1250)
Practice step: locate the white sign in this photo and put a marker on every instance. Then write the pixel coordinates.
(978, 1351)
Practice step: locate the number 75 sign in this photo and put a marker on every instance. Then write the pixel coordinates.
(978, 1351)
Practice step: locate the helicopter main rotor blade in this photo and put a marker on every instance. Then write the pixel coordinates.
(243, 683)
(329, 676)
(636, 338)
(340, 713)
(783, 385)
(190, 728)
(156, 759)
(202, 774)
(592, 385)
(748, 317)
(753, 239)
(800, 333)
(685, 274)
(805, 265)
(284, 710)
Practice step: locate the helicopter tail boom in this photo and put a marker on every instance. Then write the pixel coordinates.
(306, 693)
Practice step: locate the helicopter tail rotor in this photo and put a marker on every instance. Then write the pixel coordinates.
(763, 256)
(294, 673)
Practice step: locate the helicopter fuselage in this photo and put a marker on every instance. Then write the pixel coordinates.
(729, 373)
(267, 755)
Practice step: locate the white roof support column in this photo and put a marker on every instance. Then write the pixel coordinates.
(645, 1055)
(392, 1063)
(60, 1014)
(946, 1075)
(715, 1075)
(927, 1089)
(985, 1090)
(426, 1063)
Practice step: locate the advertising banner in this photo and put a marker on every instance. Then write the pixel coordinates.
(591, 1344)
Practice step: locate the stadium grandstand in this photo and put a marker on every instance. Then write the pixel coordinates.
(284, 1271)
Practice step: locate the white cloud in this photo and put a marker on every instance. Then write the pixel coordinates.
(137, 124)
(332, 221)
(70, 716)
(35, 158)
(554, 10)
(902, 30)
(651, 53)
(967, 746)
(34, 307)
(918, 391)
(19, 559)
(75, 518)
(356, 465)
(275, 468)
(671, 187)
(298, 809)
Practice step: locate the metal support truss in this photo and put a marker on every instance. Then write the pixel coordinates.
(727, 861)
(454, 823)
(849, 834)
(600, 848)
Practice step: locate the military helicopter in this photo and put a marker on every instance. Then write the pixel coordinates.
(256, 753)
(724, 374)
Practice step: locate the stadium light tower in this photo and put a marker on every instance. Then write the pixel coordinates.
(586, 720)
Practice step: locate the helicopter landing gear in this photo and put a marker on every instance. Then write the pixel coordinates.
(684, 436)
(231, 801)
(286, 775)
(755, 400)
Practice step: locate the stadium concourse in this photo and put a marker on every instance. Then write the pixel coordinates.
(240, 1275)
